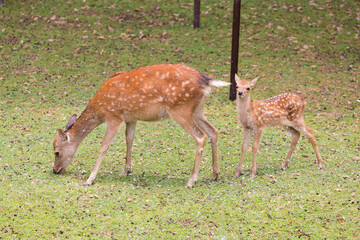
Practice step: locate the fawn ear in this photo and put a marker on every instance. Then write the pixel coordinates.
(237, 79)
(253, 82)
(63, 135)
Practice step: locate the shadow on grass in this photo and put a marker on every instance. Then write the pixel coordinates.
(153, 179)
(144, 180)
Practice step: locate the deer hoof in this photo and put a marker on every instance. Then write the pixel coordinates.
(190, 183)
(125, 173)
(237, 174)
(284, 165)
(214, 176)
(86, 184)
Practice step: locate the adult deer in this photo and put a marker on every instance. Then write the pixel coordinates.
(149, 93)
(286, 109)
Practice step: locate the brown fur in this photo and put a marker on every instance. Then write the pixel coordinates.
(149, 93)
(255, 115)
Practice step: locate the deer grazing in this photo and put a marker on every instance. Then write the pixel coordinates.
(286, 109)
(149, 93)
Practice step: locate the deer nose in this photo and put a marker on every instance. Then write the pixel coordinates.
(240, 93)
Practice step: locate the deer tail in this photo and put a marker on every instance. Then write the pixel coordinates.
(218, 83)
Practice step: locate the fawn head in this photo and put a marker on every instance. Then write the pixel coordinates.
(64, 149)
(243, 87)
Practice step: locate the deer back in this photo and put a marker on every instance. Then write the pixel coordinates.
(145, 93)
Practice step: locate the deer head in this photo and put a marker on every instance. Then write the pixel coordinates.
(64, 150)
(243, 87)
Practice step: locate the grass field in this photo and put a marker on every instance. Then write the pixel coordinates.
(56, 54)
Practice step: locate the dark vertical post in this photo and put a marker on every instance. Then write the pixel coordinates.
(196, 13)
(235, 47)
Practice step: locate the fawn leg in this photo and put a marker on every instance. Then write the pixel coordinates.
(257, 136)
(213, 134)
(130, 132)
(245, 144)
(310, 136)
(295, 138)
(111, 130)
(184, 117)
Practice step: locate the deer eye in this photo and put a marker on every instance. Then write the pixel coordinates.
(57, 154)
(248, 89)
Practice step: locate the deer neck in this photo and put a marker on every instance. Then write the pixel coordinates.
(83, 126)
(243, 109)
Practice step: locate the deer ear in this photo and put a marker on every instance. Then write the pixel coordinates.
(71, 122)
(118, 73)
(253, 82)
(237, 79)
(63, 135)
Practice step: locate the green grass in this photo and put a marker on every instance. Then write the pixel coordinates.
(56, 54)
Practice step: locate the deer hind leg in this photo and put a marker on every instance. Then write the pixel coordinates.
(255, 147)
(302, 128)
(212, 133)
(184, 117)
(111, 130)
(245, 144)
(130, 132)
(295, 138)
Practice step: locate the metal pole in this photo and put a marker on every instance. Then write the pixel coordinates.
(235, 47)
(196, 13)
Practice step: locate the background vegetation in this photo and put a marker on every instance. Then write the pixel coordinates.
(56, 54)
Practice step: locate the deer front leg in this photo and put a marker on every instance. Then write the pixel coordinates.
(255, 146)
(295, 138)
(111, 130)
(245, 144)
(130, 132)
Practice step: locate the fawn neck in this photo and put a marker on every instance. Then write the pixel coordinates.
(243, 109)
